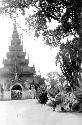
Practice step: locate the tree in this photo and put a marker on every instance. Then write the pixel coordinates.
(68, 13)
(54, 78)
(57, 82)
(69, 61)
(41, 91)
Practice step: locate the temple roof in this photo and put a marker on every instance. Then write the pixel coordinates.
(19, 54)
(7, 71)
(15, 36)
(16, 58)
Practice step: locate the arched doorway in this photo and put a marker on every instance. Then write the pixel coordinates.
(16, 92)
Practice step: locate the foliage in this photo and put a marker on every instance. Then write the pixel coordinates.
(42, 94)
(53, 91)
(13, 5)
(64, 100)
(38, 81)
(41, 91)
(68, 14)
(65, 12)
(68, 99)
(69, 61)
(54, 78)
(78, 94)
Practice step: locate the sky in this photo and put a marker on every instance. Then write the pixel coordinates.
(39, 54)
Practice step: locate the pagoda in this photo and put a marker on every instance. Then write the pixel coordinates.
(16, 66)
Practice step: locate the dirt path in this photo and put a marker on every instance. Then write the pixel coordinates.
(29, 112)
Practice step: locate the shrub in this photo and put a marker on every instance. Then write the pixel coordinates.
(42, 95)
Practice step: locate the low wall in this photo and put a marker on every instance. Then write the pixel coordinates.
(1, 96)
(26, 94)
(7, 95)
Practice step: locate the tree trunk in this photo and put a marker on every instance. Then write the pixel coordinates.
(80, 32)
(79, 91)
(80, 41)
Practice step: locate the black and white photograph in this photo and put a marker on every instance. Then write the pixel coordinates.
(40, 62)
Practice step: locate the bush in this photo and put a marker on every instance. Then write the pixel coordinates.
(43, 98)
(58, 99)
(53, 91)
(75, 107)
(42, 95)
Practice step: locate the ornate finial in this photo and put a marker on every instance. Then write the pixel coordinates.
(15, 36)
(15, 28)
(16, 76)
(14, 22)
(15, 67)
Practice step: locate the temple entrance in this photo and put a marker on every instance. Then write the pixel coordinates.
(16, 92)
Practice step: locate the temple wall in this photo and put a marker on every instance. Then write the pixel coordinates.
(3, 82)
(26, 94)
(7, 95)
(1, 96)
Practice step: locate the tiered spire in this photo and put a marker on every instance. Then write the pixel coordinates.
(16, 61)
(15, 56)
(15, 37)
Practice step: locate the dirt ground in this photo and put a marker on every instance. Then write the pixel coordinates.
(29, 112)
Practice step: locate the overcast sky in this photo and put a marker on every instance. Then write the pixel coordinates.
(39, 54)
